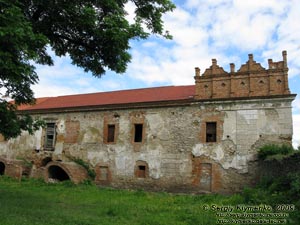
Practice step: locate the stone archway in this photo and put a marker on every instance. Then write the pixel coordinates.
(2, 168)
(61, 171)
(56, 173)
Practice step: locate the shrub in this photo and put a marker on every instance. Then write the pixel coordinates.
(270, 150)
(84, 164)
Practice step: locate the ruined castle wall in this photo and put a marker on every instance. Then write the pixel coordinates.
(172, 153)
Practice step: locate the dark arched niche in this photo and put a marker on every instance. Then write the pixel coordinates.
(57, 173)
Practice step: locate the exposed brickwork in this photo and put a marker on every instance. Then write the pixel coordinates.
(137, 118)
(103, 174)
(75, 172)
(72, 131)
(12, 168)
(198, 173)
(111, 119)
(249, 81)
(211, 115)
(141, 169)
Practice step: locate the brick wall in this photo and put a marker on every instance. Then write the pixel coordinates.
(250, 80)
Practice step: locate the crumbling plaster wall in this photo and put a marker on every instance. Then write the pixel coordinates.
(173, 145)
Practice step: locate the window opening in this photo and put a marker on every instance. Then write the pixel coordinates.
(111, 133)
(50, 136)
(211, 132)
(138, 132)
(141, 172)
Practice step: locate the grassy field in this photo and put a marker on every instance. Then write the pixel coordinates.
(34, 202)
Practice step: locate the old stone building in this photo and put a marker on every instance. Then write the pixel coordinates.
(197, 138)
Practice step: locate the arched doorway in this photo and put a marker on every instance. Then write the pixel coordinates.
(2, 168)
(57, 173)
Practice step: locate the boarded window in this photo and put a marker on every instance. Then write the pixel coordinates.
(141, 173)
(211, 132)
(103, 173)
(138, 132)
(50, 136)
(111, 133)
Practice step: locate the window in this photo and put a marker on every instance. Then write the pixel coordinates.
(50, 136)
(211, 132)
(138, 132)
(141, 173)
(141, 169)
(111, 133)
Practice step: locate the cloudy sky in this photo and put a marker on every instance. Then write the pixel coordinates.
(227, 30)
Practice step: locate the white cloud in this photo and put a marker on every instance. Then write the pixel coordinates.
(130, 8)
(226, 30)
(47, 90)
(296, 104)
(202, 29)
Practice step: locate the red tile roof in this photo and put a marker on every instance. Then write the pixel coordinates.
(156, 94)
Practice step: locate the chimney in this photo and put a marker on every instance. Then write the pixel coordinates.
(284, 55)
(197, 71)
(232, 67)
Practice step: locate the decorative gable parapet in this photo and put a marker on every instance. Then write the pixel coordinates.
(251, 80)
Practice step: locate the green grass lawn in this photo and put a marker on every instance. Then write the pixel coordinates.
(35, 202)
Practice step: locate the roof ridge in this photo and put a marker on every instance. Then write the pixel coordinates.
(139, 95)
(114, 91)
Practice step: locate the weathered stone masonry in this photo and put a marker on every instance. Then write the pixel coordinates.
(201, 138)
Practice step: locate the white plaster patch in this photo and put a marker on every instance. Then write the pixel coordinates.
(95, 157)
(215, 152)
(91, 135)
(155, 122)
(61, 128)
(238, 162)
(198, 150)
(38, 139)
(248, 115)
(3, 148)
(152, 157)
(219, 153)
(59, 148)
(124, 162)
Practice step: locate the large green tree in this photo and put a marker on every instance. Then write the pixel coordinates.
(94, 33)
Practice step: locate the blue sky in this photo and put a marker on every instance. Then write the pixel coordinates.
(227, 30)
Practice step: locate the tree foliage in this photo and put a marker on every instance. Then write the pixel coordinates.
(94, 33)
